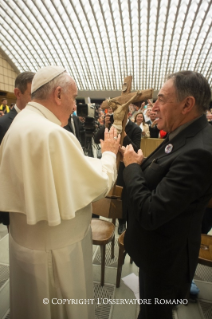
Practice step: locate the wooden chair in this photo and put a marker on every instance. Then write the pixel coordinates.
(110, 206)
(122, 254)
(205, 252)
(103, 232)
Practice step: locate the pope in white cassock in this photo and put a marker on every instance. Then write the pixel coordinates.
(47, 185)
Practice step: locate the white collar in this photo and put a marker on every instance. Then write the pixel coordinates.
(17, 109)
(46, 112)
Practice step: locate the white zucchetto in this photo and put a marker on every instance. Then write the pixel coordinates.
(45, 75)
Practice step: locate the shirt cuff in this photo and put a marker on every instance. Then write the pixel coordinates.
(108, 152)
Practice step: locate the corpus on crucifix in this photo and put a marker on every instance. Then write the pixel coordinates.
(121, 103)
(120, 106)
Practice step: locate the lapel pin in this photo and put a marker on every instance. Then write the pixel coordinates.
(168, 148)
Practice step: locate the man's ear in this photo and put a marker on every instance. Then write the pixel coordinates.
(189, 104)
(58, 95)
(17, 93)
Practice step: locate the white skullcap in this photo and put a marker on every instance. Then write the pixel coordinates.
(45, 75)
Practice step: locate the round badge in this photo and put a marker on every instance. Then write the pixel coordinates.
(168, 148)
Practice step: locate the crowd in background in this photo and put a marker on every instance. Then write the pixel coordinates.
(140, 113)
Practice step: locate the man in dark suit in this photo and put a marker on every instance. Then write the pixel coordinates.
(133, 137)
(75, 126)
(154, 131)
(167, 195)
(22, 92)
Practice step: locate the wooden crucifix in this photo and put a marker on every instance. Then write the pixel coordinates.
(120, 106)
(111, 206)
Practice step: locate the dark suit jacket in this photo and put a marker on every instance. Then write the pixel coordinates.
(148, 122)
(133, 137)
(5, 122)
(167, 196)
(78, 128)
(154, 131)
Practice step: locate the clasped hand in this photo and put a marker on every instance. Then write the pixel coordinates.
(130, 156)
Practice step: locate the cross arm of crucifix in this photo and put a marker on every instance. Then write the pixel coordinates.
(120, 105)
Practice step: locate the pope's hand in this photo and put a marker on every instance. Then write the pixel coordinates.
(130, 156)
(111, 141)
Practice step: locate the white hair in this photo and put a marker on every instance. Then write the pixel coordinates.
(44, 91)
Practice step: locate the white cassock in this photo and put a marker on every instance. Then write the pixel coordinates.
(47, 185)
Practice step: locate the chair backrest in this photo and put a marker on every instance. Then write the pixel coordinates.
(107, 207)
(148, 145)
(110, 206)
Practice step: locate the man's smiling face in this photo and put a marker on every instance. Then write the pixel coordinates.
(168, 108)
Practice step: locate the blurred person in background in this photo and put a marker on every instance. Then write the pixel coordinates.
(140, 121)
(4, 107)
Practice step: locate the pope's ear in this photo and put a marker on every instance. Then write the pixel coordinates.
(189, 104)
(57, 95)
(17, 93)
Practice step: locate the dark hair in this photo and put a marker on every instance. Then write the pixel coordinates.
(22, 80)
(189, 83)
(3, 99)
(143, 117)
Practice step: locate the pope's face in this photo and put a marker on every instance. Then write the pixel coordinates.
(168, 108)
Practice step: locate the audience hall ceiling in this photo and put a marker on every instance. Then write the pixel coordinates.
(99, 42)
